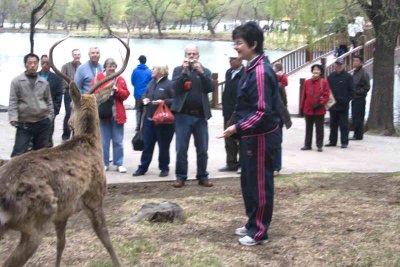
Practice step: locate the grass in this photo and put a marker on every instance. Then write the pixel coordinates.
(336, 219)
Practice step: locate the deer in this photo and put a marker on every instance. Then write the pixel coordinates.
(46, 185)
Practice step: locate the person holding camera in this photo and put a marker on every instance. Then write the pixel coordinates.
(192, 83)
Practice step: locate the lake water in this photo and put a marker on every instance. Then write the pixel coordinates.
(213, 54)
(13, 46)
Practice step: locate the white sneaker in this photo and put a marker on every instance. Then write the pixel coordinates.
(105, 168)
(239, 170)
(121, 169)
(242, 231)
(248, 241)
(276, 173)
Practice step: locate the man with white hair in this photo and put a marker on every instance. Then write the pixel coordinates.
(86, 72)
(192, 83)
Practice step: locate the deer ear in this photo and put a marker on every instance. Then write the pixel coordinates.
(75, 94)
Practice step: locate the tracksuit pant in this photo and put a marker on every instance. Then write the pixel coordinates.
(257, 154)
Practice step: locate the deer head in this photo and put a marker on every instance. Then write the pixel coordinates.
(84, 116)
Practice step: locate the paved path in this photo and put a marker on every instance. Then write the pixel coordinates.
(373, 154)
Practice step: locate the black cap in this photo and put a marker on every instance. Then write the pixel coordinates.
(339, 61)
(142, 59)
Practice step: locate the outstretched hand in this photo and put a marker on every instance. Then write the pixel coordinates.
(231, 130)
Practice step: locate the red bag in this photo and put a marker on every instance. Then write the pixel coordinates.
(163, 115)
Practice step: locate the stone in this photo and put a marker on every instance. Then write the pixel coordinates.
(160, 212)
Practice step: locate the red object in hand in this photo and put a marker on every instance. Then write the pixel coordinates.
(187, 85)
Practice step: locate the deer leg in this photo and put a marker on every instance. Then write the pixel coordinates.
(60, 229)
(96, 216)
(28, 244)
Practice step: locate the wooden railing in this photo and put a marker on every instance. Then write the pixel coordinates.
(366, 52)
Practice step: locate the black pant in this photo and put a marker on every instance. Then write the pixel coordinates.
(357, 115)
(51, 131)
(319, 129)
(232, 150)
(67, 105)
(339, 119)
(257, 155)
(37, 132)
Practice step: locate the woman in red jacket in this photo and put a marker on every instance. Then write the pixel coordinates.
(314, 97)
(113, 116)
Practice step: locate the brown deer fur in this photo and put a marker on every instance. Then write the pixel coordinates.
(46, 185)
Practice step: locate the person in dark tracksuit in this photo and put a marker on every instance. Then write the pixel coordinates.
(362, 85)
(229, 99)
(257, 126)
(342, 87)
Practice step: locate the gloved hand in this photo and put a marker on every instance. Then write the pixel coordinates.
(317, 106)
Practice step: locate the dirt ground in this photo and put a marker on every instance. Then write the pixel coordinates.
(319, 220)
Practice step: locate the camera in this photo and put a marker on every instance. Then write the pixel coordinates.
(191, 62)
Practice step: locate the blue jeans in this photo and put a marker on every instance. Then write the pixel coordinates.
(185, 125)
(112, 131)
(162, 134)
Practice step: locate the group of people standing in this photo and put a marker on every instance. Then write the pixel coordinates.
(253, 100)
(345, 88)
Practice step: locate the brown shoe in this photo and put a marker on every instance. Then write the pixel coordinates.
(205, 183)
(178, 183)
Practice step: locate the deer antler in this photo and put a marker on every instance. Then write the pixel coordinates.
(116, 74)
(59, 73)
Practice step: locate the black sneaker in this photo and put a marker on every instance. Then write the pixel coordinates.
(305, 148)
(138, 173)
(329, 144)
(227, 169)
(164, 173)
(343, 146)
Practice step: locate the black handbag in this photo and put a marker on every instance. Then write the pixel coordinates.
(137, 141)
(105, 108)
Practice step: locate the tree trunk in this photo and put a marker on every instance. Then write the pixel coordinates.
(190, 23)
(158, 24)
(211, 28)
(381, 108)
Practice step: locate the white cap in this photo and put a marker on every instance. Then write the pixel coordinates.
(231, 53)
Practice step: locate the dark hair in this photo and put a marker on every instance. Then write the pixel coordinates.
(43, 56)
(359, 57)
(278, 66)
(30, 55)
(252, 34)
(319, 66)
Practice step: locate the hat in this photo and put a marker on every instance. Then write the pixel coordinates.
(142, 59)
(339, 61)
(232, 54)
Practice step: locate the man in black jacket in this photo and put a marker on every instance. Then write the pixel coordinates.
(362, 85)
(192, 83)
(341, 84)
(56, 89)
(229, 100)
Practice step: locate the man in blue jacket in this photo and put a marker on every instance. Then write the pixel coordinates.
(140, 78)
(56, 90)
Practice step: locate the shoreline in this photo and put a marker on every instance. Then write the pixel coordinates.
(220, 37)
